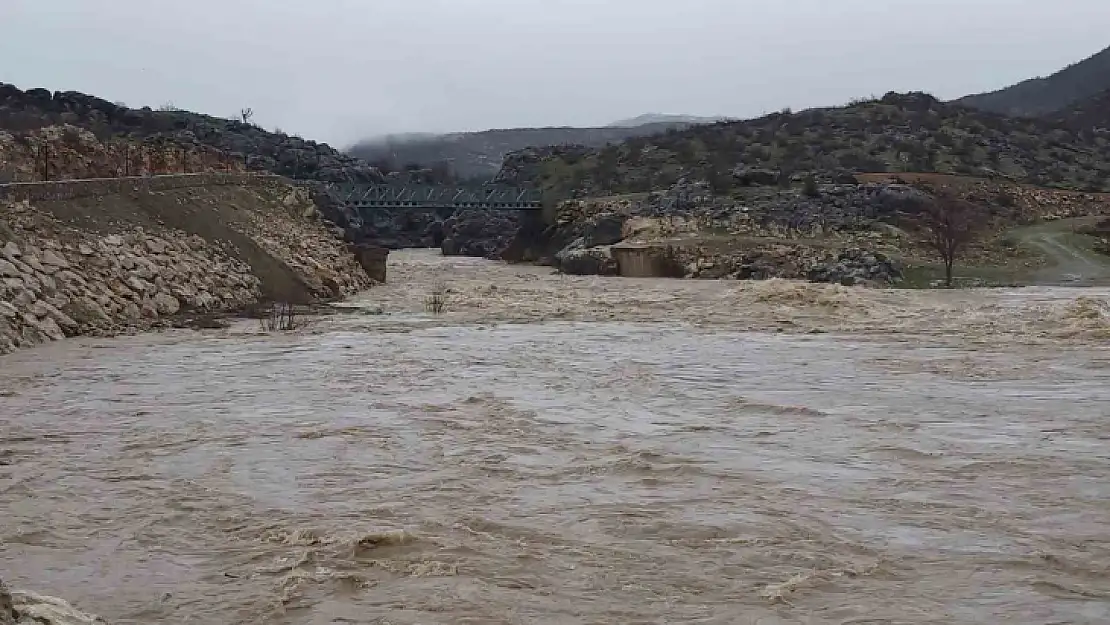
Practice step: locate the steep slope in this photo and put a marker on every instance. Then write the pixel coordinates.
(480, 154)
(900, 132)
(1043, 96)
(104, 256)
(257, 149)
(1091, 113)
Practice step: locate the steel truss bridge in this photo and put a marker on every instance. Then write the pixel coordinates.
(393, 197)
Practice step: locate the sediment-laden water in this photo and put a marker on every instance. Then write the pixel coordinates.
(576, 450)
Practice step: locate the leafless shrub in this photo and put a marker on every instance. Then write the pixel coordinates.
(436, 300)
(281, 317)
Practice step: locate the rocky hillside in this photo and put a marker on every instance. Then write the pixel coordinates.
(72, 153)
(1040, 97)
(849, 232)
(235, 140)
(1087, 115)
(480, 154)
(900, 132)
(107, 256)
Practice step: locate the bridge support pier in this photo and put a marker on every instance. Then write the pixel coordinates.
(373, 260)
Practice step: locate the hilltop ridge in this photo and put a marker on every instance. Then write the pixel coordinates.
(239, 140)
(1044, 96)
(481, 154)
(909, 132)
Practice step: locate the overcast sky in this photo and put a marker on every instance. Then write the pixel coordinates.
(338, 70)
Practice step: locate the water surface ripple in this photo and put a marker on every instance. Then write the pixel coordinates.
(559, 472)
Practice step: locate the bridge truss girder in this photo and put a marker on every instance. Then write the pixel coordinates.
(426, 196)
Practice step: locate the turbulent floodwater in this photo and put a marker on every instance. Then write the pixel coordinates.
(576, 450)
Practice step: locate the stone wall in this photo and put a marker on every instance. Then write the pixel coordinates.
(109, 256)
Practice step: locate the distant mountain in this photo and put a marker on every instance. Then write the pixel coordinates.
(660, 118)
(1040, 97)
(480, 154)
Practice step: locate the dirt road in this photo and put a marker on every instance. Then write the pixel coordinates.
(1071, 258)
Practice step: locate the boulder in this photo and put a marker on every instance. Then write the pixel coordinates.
(50, 329)
(748, 176)
(138, 285)
(46, 310)
(166, 304)
(594, 261)
(86, 312)
(855, 266)
(9, 270)
(8, 615)
(50, 258)
(603, 229)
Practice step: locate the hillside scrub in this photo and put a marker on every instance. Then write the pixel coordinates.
(898, 133)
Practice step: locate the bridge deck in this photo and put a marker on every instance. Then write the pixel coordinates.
(424, 196)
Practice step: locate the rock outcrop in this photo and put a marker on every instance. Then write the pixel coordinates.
(854, 266)
(591, 261)
(168, 132)
(106, 263)
(757, 261)
(480, 233)
(26, 608)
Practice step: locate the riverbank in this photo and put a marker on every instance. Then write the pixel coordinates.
(115, 256)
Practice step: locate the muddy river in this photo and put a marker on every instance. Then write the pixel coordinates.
(576, 450)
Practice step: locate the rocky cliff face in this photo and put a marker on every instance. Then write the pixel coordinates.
(112, 256)
(70, 153)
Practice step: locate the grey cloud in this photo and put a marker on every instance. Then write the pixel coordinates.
(339, 70)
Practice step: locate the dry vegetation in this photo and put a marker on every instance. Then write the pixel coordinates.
(281, 317)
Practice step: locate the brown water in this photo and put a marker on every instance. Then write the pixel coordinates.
(576, 450)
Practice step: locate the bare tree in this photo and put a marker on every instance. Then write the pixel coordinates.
(949, 224)
(246, 115)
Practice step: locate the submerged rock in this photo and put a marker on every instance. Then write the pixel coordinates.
(28, 608)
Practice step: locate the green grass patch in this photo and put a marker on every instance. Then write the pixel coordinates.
(924, 276)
